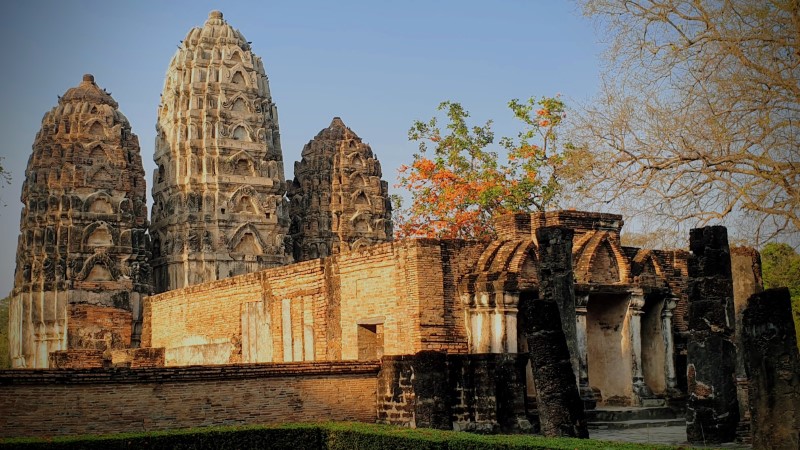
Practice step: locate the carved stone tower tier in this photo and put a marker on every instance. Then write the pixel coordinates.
(219, 188)
(338, 200)
(82, 259)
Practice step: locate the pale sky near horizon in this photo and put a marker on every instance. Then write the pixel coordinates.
(377, 65)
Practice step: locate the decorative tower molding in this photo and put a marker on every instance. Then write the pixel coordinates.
(82, 250)
(338, 200)
(218, 191)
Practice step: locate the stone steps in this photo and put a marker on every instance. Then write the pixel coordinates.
(633, 424)
(621, 418)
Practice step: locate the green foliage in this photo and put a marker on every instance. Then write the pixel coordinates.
(5, 357)
(458, 184)
(332, 436)
(780, 266)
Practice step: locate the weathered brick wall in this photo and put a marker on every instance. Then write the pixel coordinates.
(63, 402)
(98, 327)
(313, 310)
(201, 319)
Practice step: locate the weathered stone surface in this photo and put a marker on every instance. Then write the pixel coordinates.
(82, 229)
(746, 272)
(482, 392)
(560, 406)
(338, 200)
(712, 409)
(773, 368)
(218, 205)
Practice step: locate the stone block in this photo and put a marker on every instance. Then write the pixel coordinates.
(772, 364)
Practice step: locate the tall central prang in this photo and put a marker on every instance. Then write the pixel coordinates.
(218, 191)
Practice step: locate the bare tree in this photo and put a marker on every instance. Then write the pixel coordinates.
(698, 119)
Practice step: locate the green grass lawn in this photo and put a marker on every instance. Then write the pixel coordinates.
(333, 436)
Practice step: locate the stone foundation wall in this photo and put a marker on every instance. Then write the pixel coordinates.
(475, 392)
(69, 402)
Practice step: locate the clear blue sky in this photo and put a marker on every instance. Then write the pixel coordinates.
(377, 65)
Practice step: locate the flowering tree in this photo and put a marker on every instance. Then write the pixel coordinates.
(457, 185)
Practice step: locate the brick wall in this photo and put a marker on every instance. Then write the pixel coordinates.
(63, 402)
(98, 327)
(313, 310)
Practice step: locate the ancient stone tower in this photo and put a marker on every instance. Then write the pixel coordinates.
(338, 200)
(82, 261)
(218, 191)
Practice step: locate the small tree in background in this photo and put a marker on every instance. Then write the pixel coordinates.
(457, 184)
(780, 265)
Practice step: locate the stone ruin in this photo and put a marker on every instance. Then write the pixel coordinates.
(338, 200)
(553, 317)
(83, 262)
(219, 205)
(218, 193)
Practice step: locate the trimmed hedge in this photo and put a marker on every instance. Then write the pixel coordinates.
(327, 436)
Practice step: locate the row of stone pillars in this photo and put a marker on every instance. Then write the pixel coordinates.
(492, 328)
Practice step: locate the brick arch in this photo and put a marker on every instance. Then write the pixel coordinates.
(644, 259)
(590, 253)
(512, 262)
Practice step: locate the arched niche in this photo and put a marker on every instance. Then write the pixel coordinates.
(238, 79)
(101, 205)
(100, 237)
(240, 134)
(99, 272)
(247, 240)
(604, 268)
(96, 129)
(239, 105)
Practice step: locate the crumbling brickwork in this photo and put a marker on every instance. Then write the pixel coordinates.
(82, 240)
(338, 199)
(218, 205)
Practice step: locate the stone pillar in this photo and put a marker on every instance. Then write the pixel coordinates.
(746, 273)
(712, 411)
(492, 320)
(482, 323)
(772, 364)
(560, 406)
(581, 344)
(640, 389)
(669, 345)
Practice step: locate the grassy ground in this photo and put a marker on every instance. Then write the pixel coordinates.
(334, 436)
